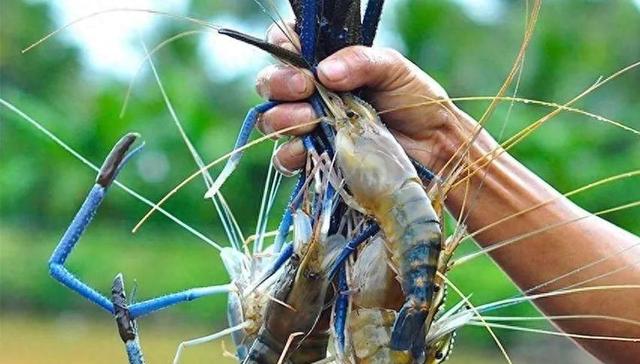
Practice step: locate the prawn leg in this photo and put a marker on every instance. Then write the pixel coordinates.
(340, 310)
(206, 339)
(370, 21)
(108, 172)
(248, 124)
(127, 327)
(287, 217)
(353, 244)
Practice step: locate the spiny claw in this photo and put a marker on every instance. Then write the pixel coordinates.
(222, 178)
(126, 326)
(116, 159)
(275, 50)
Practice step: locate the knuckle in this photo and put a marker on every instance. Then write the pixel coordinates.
(361, 56)
(366, 61)
(392, 55)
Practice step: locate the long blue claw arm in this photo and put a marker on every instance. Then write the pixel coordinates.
(352, 245)
(159, 303)
(108, 172)
(340, 309)
(127, 327)
(112, 165)
(287, 217)
(308, 30)
(134, 352)
(371, 20)
(243, 137)
(68, 242)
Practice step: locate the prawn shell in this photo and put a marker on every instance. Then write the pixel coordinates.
(375, 283)
(371, 335)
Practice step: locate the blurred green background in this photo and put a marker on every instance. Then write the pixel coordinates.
(75, 83)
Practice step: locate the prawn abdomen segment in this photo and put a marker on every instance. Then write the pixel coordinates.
(413, 233)
(412, 230)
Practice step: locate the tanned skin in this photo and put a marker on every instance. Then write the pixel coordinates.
(433, 134)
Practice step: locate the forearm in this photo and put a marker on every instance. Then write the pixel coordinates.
(551, 237)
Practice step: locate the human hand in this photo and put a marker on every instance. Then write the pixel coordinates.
(399, 90)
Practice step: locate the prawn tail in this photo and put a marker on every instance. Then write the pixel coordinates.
(408, 324)
(264, 350)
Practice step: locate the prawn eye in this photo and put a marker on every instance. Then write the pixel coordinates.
(351, 114)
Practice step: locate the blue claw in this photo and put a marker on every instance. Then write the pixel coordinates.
(287, 217)
(159, 303)
(371, 20)
(243, 137)
(127, 327)
(308, 30)
(116, 305)
(340, 309)
(352, 245)
(107, 174)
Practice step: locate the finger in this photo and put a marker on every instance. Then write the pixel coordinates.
(284, 36)
(290, 157)
(286, 116)
(284, 83)
(358, 66)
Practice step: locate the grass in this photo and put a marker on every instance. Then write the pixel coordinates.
(72, 338)
(78, 339)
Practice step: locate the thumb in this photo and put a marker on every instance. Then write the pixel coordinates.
(381, 68)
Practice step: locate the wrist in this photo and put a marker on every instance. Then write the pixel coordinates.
(460, 141)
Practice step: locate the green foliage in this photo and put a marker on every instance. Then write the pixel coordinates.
(41, 185)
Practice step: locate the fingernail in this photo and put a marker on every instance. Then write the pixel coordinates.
(298, 83)
(282, 169)
(295, 146)
(333, 69)
(262, 88)
(264, 127)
